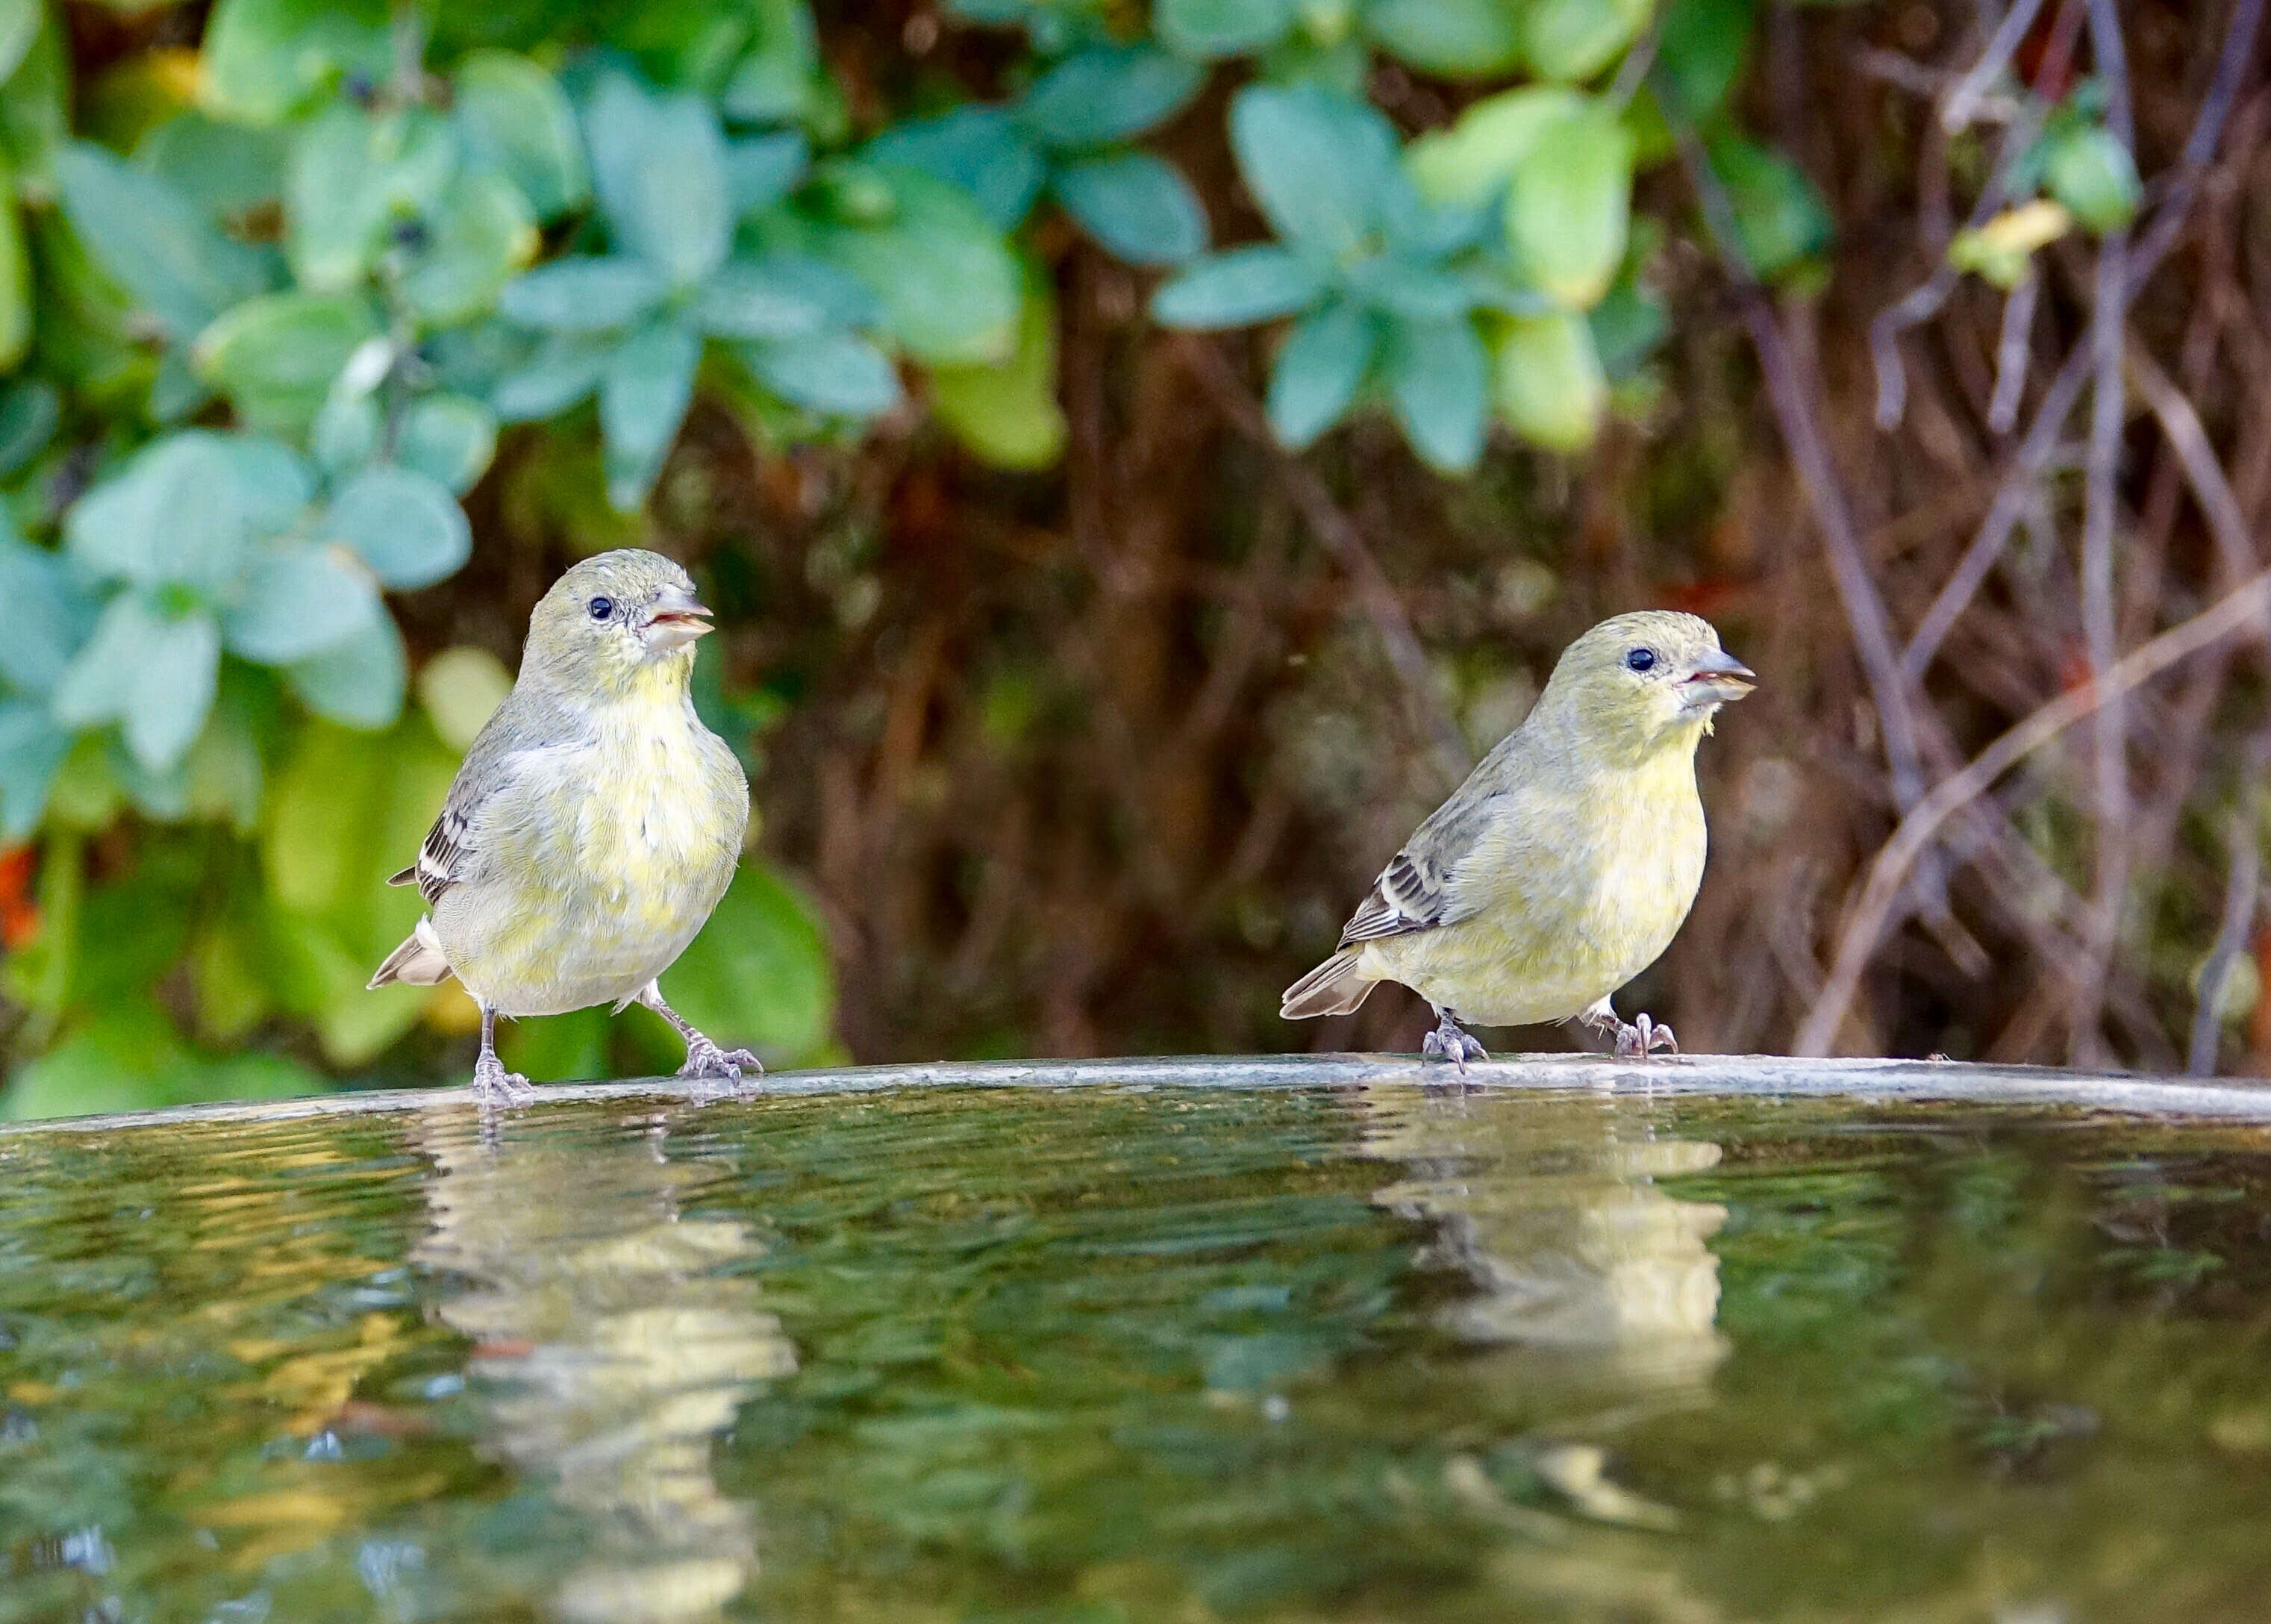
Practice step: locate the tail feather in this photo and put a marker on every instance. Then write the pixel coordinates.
(419, 961)
(1333, 988)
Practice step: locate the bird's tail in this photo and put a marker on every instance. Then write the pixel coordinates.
(1333, 988)
(417, 961)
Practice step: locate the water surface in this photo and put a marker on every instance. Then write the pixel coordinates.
(1108, 1354)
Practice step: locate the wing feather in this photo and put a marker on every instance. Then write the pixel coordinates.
(1412, 893)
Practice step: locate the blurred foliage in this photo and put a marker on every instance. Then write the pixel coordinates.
(281, 283)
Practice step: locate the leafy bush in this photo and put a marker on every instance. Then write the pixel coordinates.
(272, 303)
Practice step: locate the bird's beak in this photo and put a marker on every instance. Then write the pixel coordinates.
(1718, 677)
(675, 618)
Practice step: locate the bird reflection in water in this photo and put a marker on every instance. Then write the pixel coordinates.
(610, 1352)
(1549, 1203)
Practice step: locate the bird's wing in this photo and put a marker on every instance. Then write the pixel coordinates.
(497, 763)
(1419, 888)
(441, 860)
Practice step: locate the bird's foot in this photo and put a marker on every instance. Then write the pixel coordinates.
(712, 1071)
(1640, 1037)
(1448, 1041)
(494, 1085)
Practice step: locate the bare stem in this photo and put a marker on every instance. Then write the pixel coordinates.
(2232, 612)
(2243, 882)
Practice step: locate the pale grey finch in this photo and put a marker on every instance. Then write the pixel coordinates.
(593, 825)
(1567, 861)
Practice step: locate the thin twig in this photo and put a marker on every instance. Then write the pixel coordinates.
(2013, 352)
(2227, 525)
(1864, 610)
(1345, 541)
(2243, 882)
(2100, 629)
(1956, 111)
(2232, 612)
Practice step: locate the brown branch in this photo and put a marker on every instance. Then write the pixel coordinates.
(1345, 541)
(2243, 881)
(2229, 614)
(1864, 610)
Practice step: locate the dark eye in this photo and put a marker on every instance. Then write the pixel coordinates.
(1640, 659)
(602, 607)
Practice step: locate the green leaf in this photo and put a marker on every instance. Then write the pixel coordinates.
(1223, 27)
(659, 166)
(1236, 287)
(275, 357)
(359, 683)
(336, 204)
(1628, 326)
(450, 439)
(748, 299)
(1008, 414)
(1319, 369)
(14, 278)
(837, 375)
(949, 287)
(1438, 382)
(1779, 217)
(642, 398)
(294, 601)
(761, 170)
(1403, 287)
(479, 236)
(177, 514)
(272, 481)
(32, 747)
(30, 409)
(153, 241)
(34, 111)
(1573, 40)
(48, 616)
(152, 671)
(406, 526)
(2091, 172)
(1321, 169)
(980, 149)
(1471, 162)
(1548, 380)
(226, 169)
(514, 118)
(1700, 50)
(1570, 207)
(264, 59)
(583, 293)
(19, 26)
(1138, 206)
(772, 83)
(1107, 93)
(759, 973)
(563, 371)
(461, 688)
(1458, 38)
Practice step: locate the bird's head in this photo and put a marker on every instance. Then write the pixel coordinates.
(615, 623)
(1639, 684)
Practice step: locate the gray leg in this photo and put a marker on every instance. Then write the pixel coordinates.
(705, 1061)
(1637, 1039)
(1448, 1041)
(493, 1084)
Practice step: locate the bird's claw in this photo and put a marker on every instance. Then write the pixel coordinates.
(707, 1064)
(494, 1086)
(1449, 1042)
(1640, 1037)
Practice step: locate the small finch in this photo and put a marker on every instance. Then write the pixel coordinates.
(593, 825)
(1567, 861)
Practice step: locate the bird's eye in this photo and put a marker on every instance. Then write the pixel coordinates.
(601, 608)
(1641, 660)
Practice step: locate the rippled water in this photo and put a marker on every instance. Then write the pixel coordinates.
(1122, 1354)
